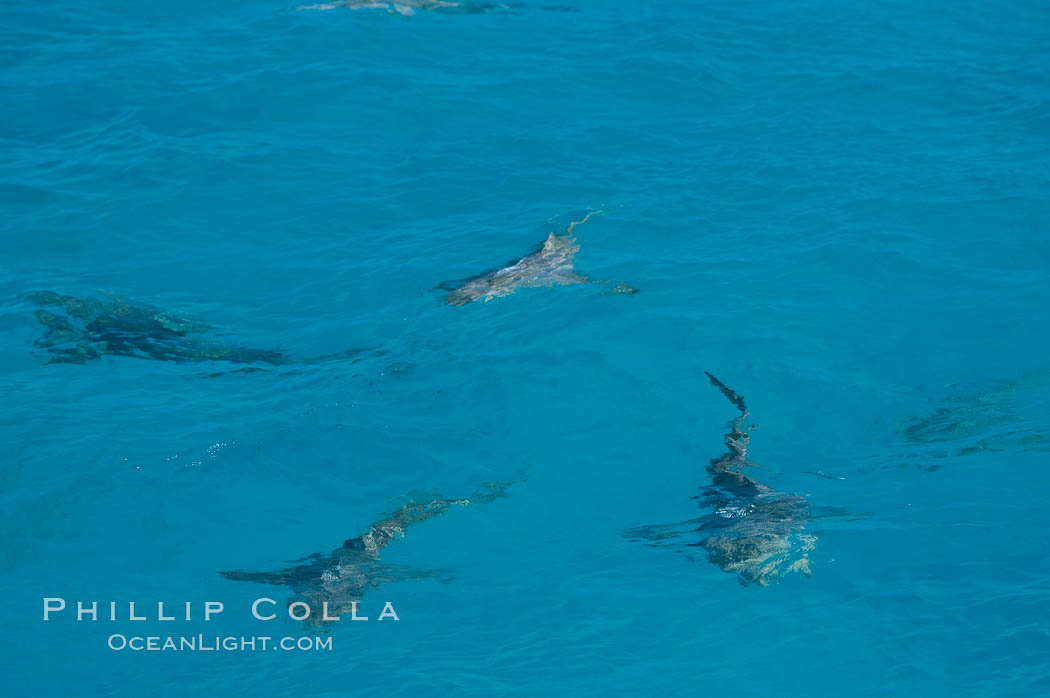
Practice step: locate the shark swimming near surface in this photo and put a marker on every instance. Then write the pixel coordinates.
(340, 578)
(1006, 417)
(752, 530)
(551, 265)
(82, 329)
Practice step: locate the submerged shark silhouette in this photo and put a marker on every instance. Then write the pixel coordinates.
(753, 530)
(550, 265)
(84, 328)
(340, 578)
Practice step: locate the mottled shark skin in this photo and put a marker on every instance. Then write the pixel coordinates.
(551, 265)
(752, 530)
(408, 8)
(84, 329)
(340, 578)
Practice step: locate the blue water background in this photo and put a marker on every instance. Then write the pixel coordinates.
(841, 209)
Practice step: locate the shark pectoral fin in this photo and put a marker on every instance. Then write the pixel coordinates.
(662, 534)
(81, 353)
(453, 284)
(59, 329)
(833, 512)
(258, 577)
(567, 278)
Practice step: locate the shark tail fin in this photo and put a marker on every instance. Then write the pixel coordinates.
(734, 397)
(738, 438)
(569, 230)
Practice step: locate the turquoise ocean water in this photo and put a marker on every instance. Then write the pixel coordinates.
(839, 209)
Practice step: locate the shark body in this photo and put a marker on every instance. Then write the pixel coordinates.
(553, 264)
(751, 529)
(341, 577)
(82, 329)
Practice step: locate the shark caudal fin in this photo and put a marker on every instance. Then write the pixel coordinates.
(569, 230)
(555, 242)
(737, 439)
(734, 397)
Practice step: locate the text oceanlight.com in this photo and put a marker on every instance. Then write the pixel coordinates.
(200, 643)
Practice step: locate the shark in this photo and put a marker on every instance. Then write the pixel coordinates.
(82, 329)
(1006, 415)
(750, 529)
(339, 579)
(408, 8)
(550, 265)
